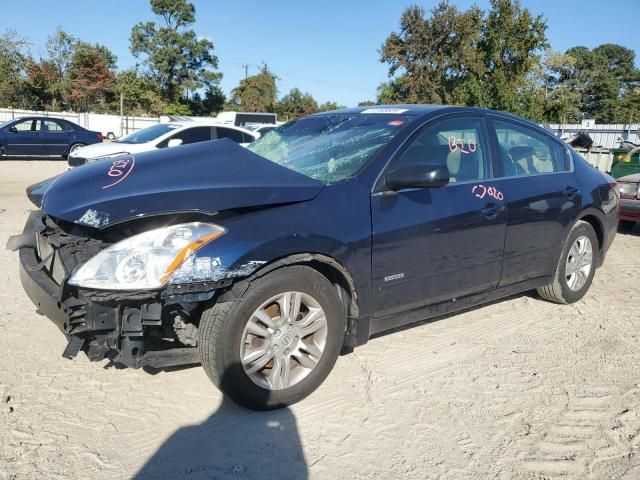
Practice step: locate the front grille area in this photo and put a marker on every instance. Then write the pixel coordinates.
(61, 250)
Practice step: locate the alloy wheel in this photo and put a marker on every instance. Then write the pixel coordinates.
(579, 263)
(283, 340)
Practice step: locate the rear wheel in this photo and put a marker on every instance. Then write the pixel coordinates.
(626, 225)
(278, 343)
(576, 267)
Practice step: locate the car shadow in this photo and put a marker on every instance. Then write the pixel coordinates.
(232, 443)
(54, 158)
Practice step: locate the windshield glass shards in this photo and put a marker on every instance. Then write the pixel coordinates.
(329, 147)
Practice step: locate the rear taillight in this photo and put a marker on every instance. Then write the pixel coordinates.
(100, 137)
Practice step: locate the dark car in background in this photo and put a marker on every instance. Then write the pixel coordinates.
(44, 136)
(264, 262)
(629, 189)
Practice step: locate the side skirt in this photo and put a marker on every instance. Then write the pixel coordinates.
(378, 325)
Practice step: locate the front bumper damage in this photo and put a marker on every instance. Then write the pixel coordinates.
(136, 329)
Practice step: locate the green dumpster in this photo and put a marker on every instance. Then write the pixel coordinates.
(624, 164)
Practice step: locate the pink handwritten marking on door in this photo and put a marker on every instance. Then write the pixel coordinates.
(481, 191)
(465, 146)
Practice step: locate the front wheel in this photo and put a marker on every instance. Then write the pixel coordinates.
(73, 148)
(278, 343)
(576, 267)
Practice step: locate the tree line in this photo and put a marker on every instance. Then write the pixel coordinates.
(498, 58)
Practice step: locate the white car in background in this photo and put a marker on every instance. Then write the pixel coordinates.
(162, 135)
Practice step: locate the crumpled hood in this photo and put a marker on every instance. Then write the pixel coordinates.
(205, 177)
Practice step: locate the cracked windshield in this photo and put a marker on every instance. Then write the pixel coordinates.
(329, 148)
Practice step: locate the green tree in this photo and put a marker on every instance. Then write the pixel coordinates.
(466, 57)
(91, 76)
(329, 106)
(296, 104)
(511, 43)
(174, 56)
(606, 78)
(256, 93)
(14, 60)
(561, 98)
(140, 94)
(431, 56)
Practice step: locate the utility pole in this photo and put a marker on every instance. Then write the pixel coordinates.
(246, 70)
(121, 114)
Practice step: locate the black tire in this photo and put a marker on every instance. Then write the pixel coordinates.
(626, 225)
(559, 291)
(222, 326)
(71, 148)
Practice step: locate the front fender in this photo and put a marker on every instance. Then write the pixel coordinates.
(257, 239)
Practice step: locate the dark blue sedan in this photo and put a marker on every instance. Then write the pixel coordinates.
(44, 136)
(263, 263)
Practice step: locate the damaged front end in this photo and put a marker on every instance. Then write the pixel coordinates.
(155, 327)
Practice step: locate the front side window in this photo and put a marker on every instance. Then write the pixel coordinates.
(148, 134)
(27, 126)
(524, 151)
(329, 147)
(457, 143)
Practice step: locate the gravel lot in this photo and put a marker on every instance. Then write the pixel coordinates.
(519, 389)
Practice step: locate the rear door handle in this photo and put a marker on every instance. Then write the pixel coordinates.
(491, 210)
(570, 192)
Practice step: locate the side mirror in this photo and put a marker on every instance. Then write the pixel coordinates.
(13, 129)
(417, 176)
(174, 142)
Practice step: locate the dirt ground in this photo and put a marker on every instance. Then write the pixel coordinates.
(519, 389)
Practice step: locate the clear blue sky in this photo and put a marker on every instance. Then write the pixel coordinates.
(328, 47)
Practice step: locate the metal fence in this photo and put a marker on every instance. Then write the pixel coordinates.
(115, 124)
(606, 136)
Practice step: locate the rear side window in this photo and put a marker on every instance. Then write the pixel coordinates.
(525, 152)
(561, 157)
(52, 126)
(235, 135)
(457, 143)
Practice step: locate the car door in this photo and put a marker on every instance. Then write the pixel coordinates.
(23, 138)
(56, 137)
(436, 244)
(541, 195)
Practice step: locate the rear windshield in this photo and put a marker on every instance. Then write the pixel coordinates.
(329, 147)
(150, 133)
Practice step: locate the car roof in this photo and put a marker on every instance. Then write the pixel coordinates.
(31, 117)
(207, 123)
(423, 110)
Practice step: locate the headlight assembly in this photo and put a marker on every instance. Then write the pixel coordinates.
(627, 189)
(144, 261)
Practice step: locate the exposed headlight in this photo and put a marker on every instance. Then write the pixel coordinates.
(144, 261)
(627, 189)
